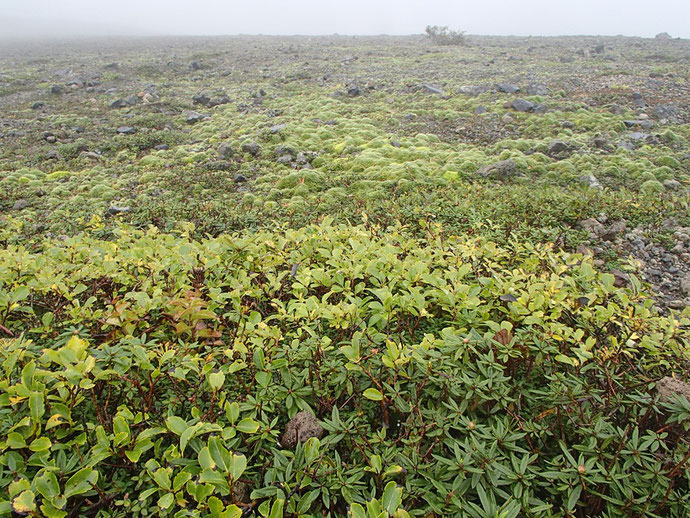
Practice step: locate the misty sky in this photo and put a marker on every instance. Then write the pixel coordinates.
(211, 17)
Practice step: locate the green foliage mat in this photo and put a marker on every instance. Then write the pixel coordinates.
(153, 375)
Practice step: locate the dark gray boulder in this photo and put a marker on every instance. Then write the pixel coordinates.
(20, 204)
(558, 147)
(353, 90)
(253, 148)
(431, 89)
(225, 151)
(522, 105)
(194, 117)
(507, 88)
(201, 99)
(498, 170)
(536, 89)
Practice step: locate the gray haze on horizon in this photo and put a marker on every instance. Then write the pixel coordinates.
(353, 17)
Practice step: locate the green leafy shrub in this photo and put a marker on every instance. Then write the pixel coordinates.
(153, 374)
(445, 36)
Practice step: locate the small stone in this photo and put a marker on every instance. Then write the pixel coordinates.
(225, 151)
(620, 279)
(277, 128)
(219, 101)
(240, 178)
(522, 105)
(685, 285)
(641, 123)
(195, 65)
(37, 105)
(616, 109)
(556, 147)
(499, 170)
(602, 143)
(431, 89)
(115, 210)
(479, 110)
(218, 165)
(283, 150)
(118, 103)
(57, 90)
(300, 429)
(666, 112)
(536, 89)
(582, 302)
(592, 226)
(194, 117)
(126, 130)
(582, 249)
(590, 181)
(20, 204)
(672, 185)
(613, 230)
(668, 387)
(507, 88)
(201, 99)
(353, 90)
(253, 148)
(161, 147)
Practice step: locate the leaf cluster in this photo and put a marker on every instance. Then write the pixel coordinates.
(153, 375)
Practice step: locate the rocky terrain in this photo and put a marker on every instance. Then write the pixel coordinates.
(338, 276)
(580, 141)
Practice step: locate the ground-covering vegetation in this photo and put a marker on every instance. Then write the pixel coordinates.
(288, 277)
(155, 374)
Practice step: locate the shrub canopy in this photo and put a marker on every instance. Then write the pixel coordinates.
(153, 374)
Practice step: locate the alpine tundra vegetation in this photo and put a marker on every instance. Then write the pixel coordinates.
(345, 276)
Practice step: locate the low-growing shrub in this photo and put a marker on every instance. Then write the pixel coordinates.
(155, 375)
(652, 186)
(445, 36)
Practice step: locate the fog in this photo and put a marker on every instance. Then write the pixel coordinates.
(312, 17)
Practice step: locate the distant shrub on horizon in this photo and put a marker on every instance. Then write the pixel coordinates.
(445, 36)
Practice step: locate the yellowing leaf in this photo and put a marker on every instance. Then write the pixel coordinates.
(24, 503)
